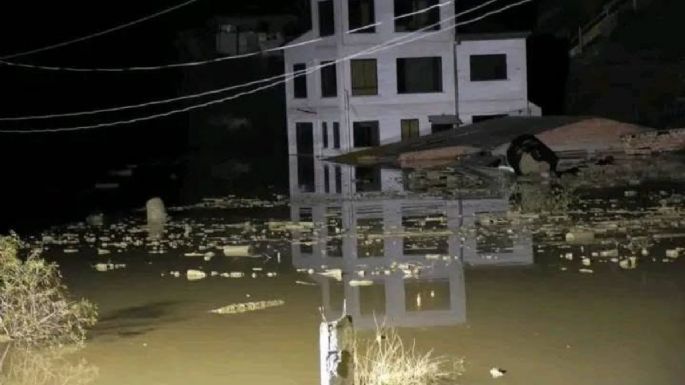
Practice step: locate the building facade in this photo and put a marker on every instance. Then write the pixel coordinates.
(384, 95)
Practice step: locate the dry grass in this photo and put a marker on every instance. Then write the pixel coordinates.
(386, 360)
(25, 366)
(34, 304)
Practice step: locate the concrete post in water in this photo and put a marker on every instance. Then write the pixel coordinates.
(156, 213)
(156, 217)
(336, 349)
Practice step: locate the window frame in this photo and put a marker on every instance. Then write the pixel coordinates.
(436, 64)
(495, 76)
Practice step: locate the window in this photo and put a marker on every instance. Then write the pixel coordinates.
(324, 134)
(488, 67)
(410, 128)
(366, 134)
(418, 20)
(361, 14)
(300, 81)
(329, 81)
(326, 18)
(338, 179)
(326, 176)
(364, 77)
(419, 75)
(336, 135)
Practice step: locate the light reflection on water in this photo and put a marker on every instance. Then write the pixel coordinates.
(452, 267)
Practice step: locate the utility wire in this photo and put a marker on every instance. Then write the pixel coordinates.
(209, 61)
(377, 48)
(96, 34)
(201, 94)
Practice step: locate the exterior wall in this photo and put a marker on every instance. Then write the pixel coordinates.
(493, 97)
(389, 107)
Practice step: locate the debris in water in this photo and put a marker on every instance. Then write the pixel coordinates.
(194, 275)
(497, 372)
(247, 307)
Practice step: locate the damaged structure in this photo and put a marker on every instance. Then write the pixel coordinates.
(407, 91)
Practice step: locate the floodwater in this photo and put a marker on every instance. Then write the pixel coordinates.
(581, 283)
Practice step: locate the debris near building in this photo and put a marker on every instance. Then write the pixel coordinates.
(655, 142)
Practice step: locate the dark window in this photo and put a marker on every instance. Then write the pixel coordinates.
(305, 139)
(366, 134)
(300, 81)
(361, 14)
(436, 127)
(338, 179)
(329, 81)
(488, 67)
(364, 77)
(418, 75)
(410, 128)
(326, 176)
(324, 134)
(480, 118)
(326, 18)
(336, 135)
(419, 20)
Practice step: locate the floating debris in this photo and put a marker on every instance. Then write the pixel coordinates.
(195, 275)
(247, 307)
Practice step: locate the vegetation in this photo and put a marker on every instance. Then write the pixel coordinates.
(35, 308)
(27, 366)
(385, 360)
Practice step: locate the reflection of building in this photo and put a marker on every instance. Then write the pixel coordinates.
(412, 89)
(373, 233)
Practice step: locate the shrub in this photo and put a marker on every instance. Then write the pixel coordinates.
(26, 366)
(385, 360)
(34, 304)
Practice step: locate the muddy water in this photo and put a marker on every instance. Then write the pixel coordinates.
(486, 276)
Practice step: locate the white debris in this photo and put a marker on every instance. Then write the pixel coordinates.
(333, 273)
(586, 261)
(103, 252)
(497, 372)
(360, 282)
(580, 236)
(237, 251)
(305, 283)
(586, 271)
(673, 253)
(194, 275)
(609, 253)
(208, 256)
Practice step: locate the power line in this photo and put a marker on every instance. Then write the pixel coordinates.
(380, 47)
(206, 93)
(96, 34)
(209, 61)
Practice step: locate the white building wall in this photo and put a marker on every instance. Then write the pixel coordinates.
(493, 97)
(389, 107)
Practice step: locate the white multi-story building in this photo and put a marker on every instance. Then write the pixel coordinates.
(413, 89)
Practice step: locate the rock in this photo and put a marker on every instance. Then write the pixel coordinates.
(156, 212)
(194, 275)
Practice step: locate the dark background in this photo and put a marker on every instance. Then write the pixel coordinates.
(49, 178)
